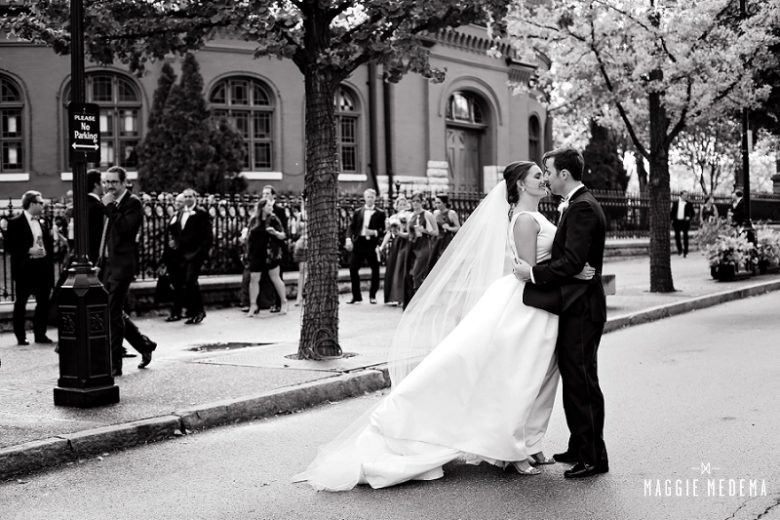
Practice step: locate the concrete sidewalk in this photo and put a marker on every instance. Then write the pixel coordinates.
(234, 368)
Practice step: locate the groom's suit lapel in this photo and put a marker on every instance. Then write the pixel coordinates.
(580, 191)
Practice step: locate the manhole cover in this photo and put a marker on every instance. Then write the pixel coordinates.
(342, 356)
(210, 347)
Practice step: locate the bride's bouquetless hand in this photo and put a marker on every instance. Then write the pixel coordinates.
(587, 273)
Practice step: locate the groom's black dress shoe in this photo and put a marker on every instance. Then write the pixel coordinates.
(581, 470)
(566, 457)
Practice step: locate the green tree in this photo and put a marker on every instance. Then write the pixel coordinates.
(651, 65)
(326, 39)
(154, 148)
(223, 173)
(603, 164)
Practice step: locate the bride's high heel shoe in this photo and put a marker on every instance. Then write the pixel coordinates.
(540, 459)
(524, 468)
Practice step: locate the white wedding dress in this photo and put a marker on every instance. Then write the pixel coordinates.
(485, 393)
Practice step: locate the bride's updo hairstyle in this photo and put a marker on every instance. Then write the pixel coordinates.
(513, 172)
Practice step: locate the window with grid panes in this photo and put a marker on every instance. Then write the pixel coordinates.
(347, 129)
(11, 137)
(247, 104)
(534, 140)
(120, 109)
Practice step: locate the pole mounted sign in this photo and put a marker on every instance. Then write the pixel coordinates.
(84, 132)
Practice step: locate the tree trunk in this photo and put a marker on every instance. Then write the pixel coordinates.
(319, 330)
(660, 196)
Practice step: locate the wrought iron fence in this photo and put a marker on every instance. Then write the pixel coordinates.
(627, 215)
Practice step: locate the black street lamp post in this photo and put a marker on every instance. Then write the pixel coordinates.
(84, 347)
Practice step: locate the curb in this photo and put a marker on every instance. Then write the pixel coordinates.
(41, 454)
(45, 453)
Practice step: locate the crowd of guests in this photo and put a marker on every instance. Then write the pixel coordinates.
(410, 241)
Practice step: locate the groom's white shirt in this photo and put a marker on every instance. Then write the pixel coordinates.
(566, 202)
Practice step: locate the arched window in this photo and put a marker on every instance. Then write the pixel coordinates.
(120, 112)
(534, 140)
(11, 140)
(248, 105)
(463, 107)
(347, 113)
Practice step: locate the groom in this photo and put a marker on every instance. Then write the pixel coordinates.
(583, 309)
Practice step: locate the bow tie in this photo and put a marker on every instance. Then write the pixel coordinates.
(563, 206)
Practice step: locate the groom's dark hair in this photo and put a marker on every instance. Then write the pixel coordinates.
(567, 159)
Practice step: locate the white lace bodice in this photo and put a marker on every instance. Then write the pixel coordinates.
(544, 239)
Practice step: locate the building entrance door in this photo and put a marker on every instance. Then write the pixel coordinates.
(463, 157)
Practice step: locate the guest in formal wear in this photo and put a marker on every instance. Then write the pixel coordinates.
(368, 224)
(395, 248)
(709, 211)
(269, 296)
(739, 216)
(118, 263)
(30, 242)
(681, 214)
(422, 231)
(449, 224)
(195, 239)
(265, 256)
(172, 261)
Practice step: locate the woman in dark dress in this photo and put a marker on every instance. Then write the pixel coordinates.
(422, 231)
(395, 248)
(264, 251)
(449, 224)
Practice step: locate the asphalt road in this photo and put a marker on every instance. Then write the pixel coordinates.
(692, 414)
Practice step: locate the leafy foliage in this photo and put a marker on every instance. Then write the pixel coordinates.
(651, 68)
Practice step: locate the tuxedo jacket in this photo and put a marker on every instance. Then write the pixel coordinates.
(124, 221)
(687, 211)
(376, 222)
(739, 213)
(19, 240)
(195, 238)
(579, 239)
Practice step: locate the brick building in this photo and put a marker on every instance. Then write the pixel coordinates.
(451, 135)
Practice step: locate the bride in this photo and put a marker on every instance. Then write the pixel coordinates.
(473, 369)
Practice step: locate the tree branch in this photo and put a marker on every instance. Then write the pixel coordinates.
(623, 115)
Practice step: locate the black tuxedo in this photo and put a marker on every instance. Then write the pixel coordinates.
(32, 276)
(118, 262)
(364, 249)
(739, 214)
(579, 239)
(193, 242)
(681, 226)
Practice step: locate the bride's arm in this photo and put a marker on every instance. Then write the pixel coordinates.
(525, 231)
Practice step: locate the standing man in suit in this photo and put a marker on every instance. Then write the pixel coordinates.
(578, 241)
(29, 241)
(368, 225)
(739, 216)
(123, 216)
(681, 215)
(267, 291)
(193, 229)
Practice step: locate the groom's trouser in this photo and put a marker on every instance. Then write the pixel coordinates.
(583, 402)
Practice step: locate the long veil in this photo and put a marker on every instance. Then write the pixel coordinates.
(476, 257)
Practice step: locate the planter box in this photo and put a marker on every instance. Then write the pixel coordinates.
(728, 273)
(765, 268)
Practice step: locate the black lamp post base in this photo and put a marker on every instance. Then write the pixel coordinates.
(86, 397)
